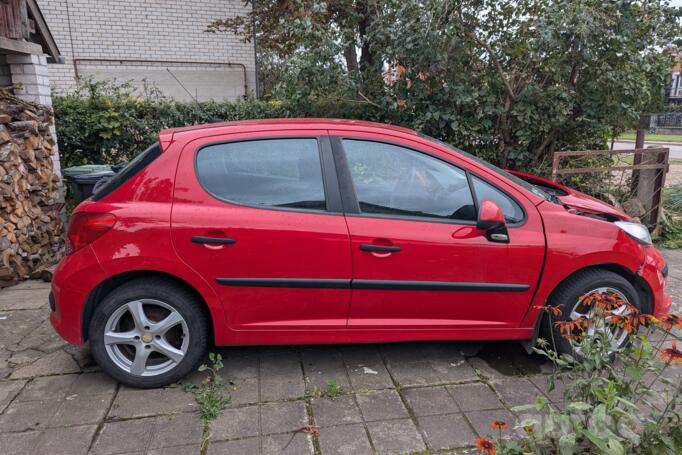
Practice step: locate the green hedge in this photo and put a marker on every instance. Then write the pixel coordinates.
(108, 123)
(102, 122)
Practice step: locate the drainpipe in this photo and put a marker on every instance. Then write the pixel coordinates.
(255, 52)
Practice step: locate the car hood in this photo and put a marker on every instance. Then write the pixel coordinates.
(572, 198)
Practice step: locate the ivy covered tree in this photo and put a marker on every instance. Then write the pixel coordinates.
(510, 80)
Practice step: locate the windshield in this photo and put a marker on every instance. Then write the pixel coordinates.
(522, 183)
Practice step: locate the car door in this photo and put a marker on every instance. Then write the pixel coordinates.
(258, 215)
(418, 260)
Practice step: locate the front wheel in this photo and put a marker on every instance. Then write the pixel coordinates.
(569, 297)
(149, 333)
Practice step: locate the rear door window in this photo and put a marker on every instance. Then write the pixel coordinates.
(282, 173)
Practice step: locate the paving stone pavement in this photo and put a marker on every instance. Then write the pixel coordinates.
(396, 398)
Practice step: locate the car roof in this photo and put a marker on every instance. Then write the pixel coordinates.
(307, 122)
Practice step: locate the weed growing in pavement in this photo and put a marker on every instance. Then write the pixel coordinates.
(211, 395)
(617, 399)
(331, 390)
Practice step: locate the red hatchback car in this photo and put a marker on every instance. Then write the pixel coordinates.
(297, 231)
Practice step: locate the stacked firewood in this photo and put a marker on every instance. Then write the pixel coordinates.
(30, 203)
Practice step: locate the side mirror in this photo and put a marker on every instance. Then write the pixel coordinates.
(491, 221)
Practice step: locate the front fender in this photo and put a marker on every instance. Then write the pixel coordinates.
(576, 242)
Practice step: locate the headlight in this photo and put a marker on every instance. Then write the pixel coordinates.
(637, 231)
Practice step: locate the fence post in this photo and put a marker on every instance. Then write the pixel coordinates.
(659, 184)
(639, 144)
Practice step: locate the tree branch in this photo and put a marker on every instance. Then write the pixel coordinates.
(496, 61)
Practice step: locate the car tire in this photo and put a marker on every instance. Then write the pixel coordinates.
(149, 332)
(567, 296)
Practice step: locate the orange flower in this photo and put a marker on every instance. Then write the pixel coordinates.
(672, 354)
(553, 310)
(645, 319)
(589, 299)
(628, 323)
(572, 329)
(609, 301)
(485, 446)
(498, 425)
(670, 320)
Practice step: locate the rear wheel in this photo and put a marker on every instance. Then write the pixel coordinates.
(569, 298)
(149, 333)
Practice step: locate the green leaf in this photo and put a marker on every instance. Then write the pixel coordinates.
(634, 373)
(594, 439)
(580, 406)
(615, 447)
(627, 402)
(567, 444)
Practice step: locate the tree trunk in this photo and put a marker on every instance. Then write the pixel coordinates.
(351, 56)
(370, 69)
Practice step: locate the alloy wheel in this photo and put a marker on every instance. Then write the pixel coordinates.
(616, 335)
(146, 337)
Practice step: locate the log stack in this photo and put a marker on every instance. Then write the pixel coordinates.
(30, 202)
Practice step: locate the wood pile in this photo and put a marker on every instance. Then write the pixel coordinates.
(30, 202)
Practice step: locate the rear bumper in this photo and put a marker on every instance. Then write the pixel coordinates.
(74, 278)
(655, 272)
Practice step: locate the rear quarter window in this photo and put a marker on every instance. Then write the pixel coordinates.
(129, 170)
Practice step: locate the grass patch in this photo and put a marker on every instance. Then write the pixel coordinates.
(654, 137)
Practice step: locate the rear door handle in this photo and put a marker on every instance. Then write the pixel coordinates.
(212, 240)
(369, 248)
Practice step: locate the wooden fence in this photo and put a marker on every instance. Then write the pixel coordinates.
(645, 182)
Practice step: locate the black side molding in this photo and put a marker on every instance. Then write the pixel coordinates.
(388, 285)
(213, 240)
(438, 286)
(286, 283)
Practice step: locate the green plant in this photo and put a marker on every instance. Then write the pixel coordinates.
(331, 390)
(671, 218)
(617, 400)
(211, 395)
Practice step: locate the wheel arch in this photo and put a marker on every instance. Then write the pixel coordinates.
(108, 285)
(643, 289)
(641, 286)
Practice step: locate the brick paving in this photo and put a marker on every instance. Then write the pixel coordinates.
(396, 398)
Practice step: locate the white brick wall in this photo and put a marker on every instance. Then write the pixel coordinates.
(167, 30)
(30, 74)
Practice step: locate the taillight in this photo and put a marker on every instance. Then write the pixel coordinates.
(85, 228)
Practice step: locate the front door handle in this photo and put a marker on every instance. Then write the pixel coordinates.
(369, 248)
(212, 240)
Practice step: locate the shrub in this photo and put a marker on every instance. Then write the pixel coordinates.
(617, 401)
(671, 218)
(107, 122)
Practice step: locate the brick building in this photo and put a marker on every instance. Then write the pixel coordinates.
(160, 41)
